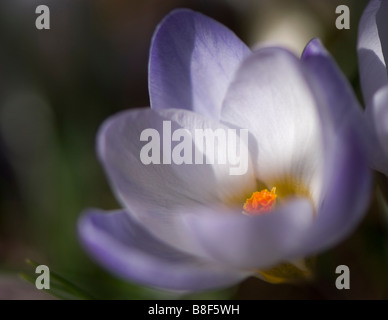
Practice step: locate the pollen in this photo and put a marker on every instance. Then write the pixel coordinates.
(260, 202)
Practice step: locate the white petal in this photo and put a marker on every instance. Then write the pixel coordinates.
(260, 241)
(271, 97)
(151, 192)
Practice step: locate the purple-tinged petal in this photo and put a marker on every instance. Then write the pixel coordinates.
(313, 48)
(347, 183)
(124, 248)
(372, 56)
(372, 62)
(346, 194)
(382, 25)
(378, 115)
(271, 97)
(333, 93)
(193, 58)
(250, 242)
(337, 103)
(151, 192)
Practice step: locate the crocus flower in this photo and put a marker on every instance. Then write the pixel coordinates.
(373, 54)
(197, 227)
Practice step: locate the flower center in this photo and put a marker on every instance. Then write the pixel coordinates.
(260, 202)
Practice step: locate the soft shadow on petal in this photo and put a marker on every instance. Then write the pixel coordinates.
(271, 97)
(379, 113)
(193, 58)
(346, 194)
(372, 65)
(151, 192)
(337, 103)
(382, 26)
(251, 242)
(123, 247)
(335, 96)
(336, 100)
(347, 178)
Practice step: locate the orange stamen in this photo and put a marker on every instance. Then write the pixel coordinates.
(260, 202)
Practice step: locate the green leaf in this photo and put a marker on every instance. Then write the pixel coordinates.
(59, 286)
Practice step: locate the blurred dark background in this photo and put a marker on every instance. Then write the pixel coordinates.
(58, 85)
